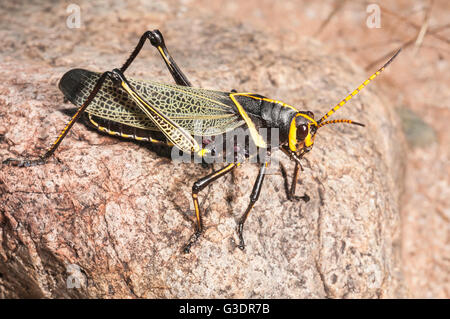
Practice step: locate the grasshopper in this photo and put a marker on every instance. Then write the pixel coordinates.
(179, 112)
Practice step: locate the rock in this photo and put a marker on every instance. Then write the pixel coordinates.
(111, 216)
(417, 132)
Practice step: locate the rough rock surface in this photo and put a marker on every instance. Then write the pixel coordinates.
(113, 214)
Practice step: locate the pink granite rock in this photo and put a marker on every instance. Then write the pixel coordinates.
(110, 216)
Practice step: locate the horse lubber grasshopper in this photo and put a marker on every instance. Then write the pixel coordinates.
(181, 112)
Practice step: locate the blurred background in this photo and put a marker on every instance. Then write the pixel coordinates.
(366, 32)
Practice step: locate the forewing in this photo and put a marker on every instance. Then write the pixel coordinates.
(173, 132)
(199, 111)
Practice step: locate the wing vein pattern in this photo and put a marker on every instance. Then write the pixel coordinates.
(200, 112)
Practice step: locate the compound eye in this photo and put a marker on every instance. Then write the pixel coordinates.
(302, 132)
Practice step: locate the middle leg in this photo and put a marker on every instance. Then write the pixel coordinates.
(253, 198)
(290, 191)
(196, 188)
(42, 159)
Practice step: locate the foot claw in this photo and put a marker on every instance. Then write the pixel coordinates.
(192, 240)
(241, 236)
(296, 198)
(187, 249)
(305, 198)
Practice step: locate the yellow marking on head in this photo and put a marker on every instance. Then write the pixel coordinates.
(293, 136)
(309, 140)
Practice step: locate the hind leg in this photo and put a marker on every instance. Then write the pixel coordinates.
(156, 39)
(42, 159)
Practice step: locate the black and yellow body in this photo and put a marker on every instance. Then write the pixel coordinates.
(193, 120)
(200, 112)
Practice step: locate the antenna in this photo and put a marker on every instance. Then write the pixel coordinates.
(357, 90)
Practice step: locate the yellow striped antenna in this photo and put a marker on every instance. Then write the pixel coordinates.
(339, 121)
(357, 90)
